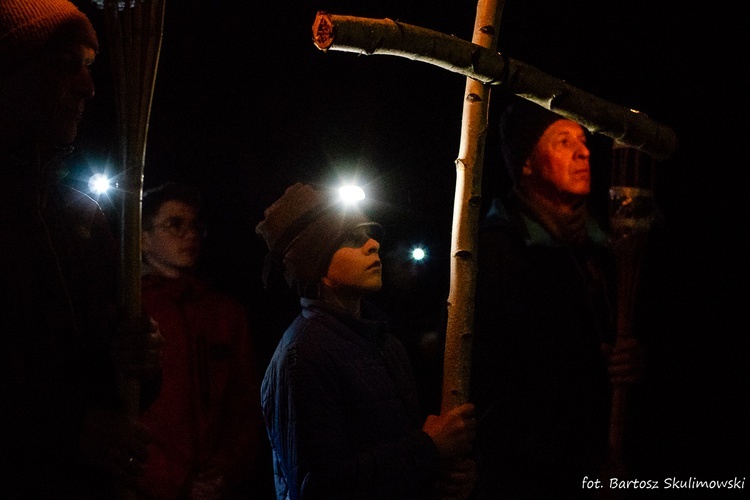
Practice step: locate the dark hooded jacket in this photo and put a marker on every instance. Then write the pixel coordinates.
(342, 412)
(58, 270)
(539, 378)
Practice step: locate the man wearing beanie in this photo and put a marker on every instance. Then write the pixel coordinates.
(63, 435)
(544, 318)
(338, 396)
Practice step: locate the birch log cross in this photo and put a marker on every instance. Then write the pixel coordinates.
(485, 68)
(133, 32)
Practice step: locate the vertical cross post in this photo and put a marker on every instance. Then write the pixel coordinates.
(466, 206)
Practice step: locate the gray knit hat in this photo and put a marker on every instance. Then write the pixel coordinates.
(303, 229)
(27, 26)
(521, 125)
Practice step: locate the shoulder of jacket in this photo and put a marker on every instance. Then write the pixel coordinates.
(78, 201)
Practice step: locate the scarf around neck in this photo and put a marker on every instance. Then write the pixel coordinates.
(569, 229)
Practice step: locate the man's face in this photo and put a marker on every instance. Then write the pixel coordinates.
(47, 95)
(355, 268)
(558, 166)
(171, 245)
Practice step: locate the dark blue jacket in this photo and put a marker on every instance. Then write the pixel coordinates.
(342, 412)
(539, 378)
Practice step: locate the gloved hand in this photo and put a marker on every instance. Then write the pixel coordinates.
(626, 363)
(116, 444)
(137, 348)
(457, 479)
(207, 485)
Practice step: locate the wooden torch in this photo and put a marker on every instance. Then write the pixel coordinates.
(632, 212)
(133, 31)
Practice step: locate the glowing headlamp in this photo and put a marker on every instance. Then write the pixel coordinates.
(351, 194)
(99, 184)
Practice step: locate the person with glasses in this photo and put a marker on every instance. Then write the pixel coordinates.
(339, 397)
(206, 424)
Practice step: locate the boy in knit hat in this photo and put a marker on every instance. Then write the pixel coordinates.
(544, 318)
(63, 435)
(338, 396)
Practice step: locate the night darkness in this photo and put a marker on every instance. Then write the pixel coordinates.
(246, 105)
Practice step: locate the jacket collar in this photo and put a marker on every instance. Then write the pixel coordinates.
(505, 213)
(536, 234)
(372, 324)
(180, 288)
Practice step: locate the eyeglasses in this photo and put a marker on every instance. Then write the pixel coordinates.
(179, 227)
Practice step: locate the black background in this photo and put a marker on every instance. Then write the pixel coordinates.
(246, 105)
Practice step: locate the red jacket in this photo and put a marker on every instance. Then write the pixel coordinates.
(207, 417)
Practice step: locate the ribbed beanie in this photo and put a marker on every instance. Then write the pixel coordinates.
(303, 229)
(521, 126)
(26, 26)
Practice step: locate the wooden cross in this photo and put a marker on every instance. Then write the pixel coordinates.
(484, 68)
